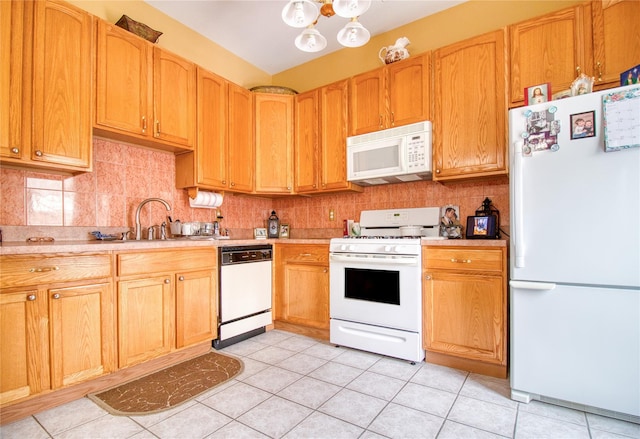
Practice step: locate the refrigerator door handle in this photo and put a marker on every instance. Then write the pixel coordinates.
(538, 286)
(517, 199)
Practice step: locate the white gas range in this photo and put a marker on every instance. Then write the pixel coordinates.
(376, 285)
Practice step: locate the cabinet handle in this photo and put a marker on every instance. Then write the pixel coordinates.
(181, 278)
(31, 297)
(144, 124)
(305, 254)
(381, 121)
(14, 150)
(38, 153)
(43, 269)
(462, 261)
(167, 281)
(157, 128)
(393, 119)
(599, 67)
(578, 70)
(56, 296)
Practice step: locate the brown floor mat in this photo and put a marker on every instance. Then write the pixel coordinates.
(169, 387)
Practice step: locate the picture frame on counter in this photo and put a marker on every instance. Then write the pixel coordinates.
(537, 94)
(582, 85)
(481, 227)
(260, 233)
(284, 231)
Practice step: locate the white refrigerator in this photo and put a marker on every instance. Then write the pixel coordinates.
(575, 252)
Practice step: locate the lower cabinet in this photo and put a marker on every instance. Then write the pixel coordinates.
(465, 308)
(166, 300)
(302, 284)
(57, 320)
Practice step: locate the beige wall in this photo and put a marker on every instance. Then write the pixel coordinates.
(463, 21)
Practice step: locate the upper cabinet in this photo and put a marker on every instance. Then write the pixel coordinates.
(552, 48)
(45, 84)
(470, 111)
(393, 95)
(321, 139)
(241, 140)
(616, 39)
(143, 94)
(274, 143)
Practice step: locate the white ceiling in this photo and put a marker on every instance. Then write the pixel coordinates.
(254, 30)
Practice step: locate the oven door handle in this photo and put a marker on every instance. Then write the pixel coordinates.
(385, 260)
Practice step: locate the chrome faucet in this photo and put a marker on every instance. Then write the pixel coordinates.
(138, 227)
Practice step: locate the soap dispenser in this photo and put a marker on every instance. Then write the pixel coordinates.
(273, 225)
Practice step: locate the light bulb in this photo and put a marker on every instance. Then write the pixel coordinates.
(299, 13)
(353, 34)
(350, 8)
(310, 40)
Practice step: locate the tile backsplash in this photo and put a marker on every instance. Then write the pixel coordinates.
(124, 175)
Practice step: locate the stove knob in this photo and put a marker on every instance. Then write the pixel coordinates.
(352, 248)
(343, 247)
(388, 248)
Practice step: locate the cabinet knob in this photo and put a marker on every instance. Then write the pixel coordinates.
(437, 171)
(38, 153)
(288, 188)
(224, 181)
(181, 278)
(427, 277)
(314, 186)
(325, 270)
(31, 297)
(14, 150)
(233, 184)
(167, 281)
(56, 296)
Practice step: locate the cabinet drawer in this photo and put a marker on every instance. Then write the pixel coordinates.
(163, 261)
(20, 271)
(304, 253)
(463, 259)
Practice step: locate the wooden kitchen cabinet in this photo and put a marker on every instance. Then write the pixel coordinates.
(465, 308)
(46, 79)
(394, 95)
(57, 316)
(302, 285)
(616, 40)
(241, 140)
(167, 300)
(550, 48)
(470, 109)
(144, 94)
(274, 143)
(206, 167)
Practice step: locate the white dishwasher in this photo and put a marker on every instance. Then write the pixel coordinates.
(244, 285)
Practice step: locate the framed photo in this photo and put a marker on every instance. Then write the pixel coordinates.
(481, 227)
(582, 85)
(583, 125)
(260, 233)
(284, 231)
(562, 94)
(450, 226)
(537, 94)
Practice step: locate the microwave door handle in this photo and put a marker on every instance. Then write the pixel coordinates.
(402, 150)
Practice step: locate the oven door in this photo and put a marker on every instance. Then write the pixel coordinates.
(382, 290)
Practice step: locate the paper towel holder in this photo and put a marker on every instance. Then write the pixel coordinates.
(193, 192)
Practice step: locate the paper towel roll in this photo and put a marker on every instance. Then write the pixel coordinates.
(206, 200)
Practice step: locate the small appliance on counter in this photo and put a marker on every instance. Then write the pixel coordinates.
(273, 225)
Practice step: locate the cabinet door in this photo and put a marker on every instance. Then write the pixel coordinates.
(464, 316)
(145, 319)
(24, 344)
(62, 80)
(11, 87)
(409, 90)
(307, 142)
(241, 145)
(196, 308)
(274, 143)
(616, 39)
(82, 333)
(306, 295)
(333, 137)
(470, 110)
(549, 49)
(124, 87)
(367, 112)
(211, 151)
(174, 92)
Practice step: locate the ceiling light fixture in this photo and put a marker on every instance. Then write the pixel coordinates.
(305, 13)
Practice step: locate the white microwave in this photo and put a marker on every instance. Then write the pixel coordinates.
(393, 155)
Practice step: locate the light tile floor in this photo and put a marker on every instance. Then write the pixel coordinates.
(297, 387)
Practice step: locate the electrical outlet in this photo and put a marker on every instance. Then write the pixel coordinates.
(332, 215)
